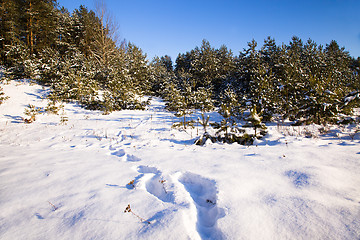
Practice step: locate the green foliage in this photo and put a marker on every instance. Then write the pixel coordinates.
(2, 95)
(204, 102)
(161, 75)
(254, 121)
(180, 99)
(52, 108)
(80, 57)
(31, 111)
(63, 118)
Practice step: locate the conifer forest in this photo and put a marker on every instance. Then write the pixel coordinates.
(80, 56)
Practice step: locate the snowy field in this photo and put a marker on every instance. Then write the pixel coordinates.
(75, 180)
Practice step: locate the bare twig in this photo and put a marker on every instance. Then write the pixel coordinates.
(55, 208)
(163, 184)
(128, 209)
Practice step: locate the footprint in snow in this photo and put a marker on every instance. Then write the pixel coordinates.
(152, 180)
(38, 216)
(119, 153)
(298, 178)
(203, 192)
(132, 158)
(125, 157)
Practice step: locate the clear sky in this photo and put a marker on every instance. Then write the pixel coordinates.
(170, 27)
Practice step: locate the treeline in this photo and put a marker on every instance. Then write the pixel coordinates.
(303, 82)
(80, 57)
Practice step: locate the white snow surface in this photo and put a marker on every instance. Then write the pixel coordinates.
(71, 181)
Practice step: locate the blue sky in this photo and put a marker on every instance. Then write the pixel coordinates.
(170, 27)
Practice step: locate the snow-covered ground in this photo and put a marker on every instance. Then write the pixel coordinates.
(75, 180)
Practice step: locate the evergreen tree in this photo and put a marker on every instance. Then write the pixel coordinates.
(225, 71)
(161, 74)
(64, 42)
(261, 81)
(228, 130)
(204, 102)
(290, 77)
(76, 82)
(85, 23)
(137, 67)
(9, 32)
(181, 99)
(254, 121)
(121, 91)
(38, 22)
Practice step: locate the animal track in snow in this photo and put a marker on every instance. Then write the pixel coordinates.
(204, 195)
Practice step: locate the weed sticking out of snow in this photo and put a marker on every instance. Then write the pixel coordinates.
(54, 207)
(129, 210)
(163, 184)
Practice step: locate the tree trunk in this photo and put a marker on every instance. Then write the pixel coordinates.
(30, 37)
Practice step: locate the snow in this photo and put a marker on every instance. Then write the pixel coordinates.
(71, 181)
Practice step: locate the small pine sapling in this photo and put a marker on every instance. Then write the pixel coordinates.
(205, 104)
(31, 111)
(2, 97)
(128, 209)
(182, 113)
(63, 118)
(227, 129)
(181, 100)
(353, 133)
(51, 108)
(254, 121)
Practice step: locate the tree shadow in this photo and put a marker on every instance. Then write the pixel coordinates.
(15, 119)
(34, 95)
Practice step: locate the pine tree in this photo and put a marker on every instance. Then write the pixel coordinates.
(261, 81)
(85, 23)
(76, 82)
(204, 102)
(13, 52)
(228, 130)
(9, 32)
(137, 67)
(39, 22)
(161, 74)
(254, 121)
(225, 71)
(290, 77)
(105, 36)
(64, 42)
